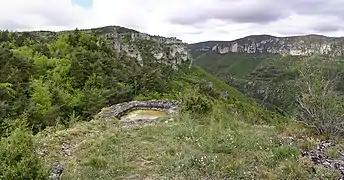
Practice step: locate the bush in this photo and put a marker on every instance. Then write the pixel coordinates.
(196, 102)
(18, 159)
(319, 104)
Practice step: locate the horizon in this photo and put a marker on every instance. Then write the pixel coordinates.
(71, 29)
(192, 21)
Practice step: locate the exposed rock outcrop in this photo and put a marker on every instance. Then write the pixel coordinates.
(138, 45)
(295, 45)
(118, 110)
(319, 158)
(141, 46)
(57, 171)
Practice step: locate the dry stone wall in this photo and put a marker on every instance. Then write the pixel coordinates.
(118, 110)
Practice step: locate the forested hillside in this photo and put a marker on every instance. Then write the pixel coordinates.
(280, 82)
(58, 79)
(49, 79)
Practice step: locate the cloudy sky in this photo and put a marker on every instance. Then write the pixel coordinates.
(189, 20)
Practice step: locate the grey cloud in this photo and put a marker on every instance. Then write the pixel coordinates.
(329, 27)
(221, 31)
(41, 16)
(190, 20)
(289, 32)
(319, 7)
(265, 11)
(322, 26)
(251, 16)
(12, 25)
(243, 11)
(195, 32)
(55, 17)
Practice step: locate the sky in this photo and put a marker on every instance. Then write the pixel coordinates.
(83, 3)
(188, 20)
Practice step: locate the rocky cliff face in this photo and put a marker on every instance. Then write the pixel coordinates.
(295, 45)
(139, 45)
(143, 46)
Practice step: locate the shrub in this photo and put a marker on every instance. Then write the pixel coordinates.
(18, 159)
(196, 102)
(319, 104)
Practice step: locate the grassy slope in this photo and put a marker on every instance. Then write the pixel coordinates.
(225, 143)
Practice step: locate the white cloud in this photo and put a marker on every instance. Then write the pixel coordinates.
(40, 14)
(191, 20)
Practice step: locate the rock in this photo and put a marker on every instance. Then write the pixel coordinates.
(172, 110)
(137, 122)
(296, 45)
(168, 50)
(57, 171)
(210, 84)
(42, 152)
(224, 94)
(318, 157)
(118, 110)
(138, 45)
(65, 150)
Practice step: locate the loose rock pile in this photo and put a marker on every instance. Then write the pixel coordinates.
(319, 158)
(118, 110)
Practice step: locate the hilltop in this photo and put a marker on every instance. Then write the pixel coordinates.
(210, 137)
(130, 42)
(266, 44)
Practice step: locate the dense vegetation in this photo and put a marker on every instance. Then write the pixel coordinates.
(69, 77)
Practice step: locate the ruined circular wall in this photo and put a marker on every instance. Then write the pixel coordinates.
(118, 110)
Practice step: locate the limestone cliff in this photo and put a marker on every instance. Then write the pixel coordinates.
(140, 45)
(294, 45)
